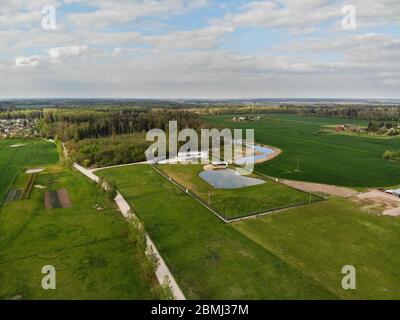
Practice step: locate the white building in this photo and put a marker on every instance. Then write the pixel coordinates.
(192, 156)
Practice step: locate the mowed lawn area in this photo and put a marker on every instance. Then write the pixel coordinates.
(208, 258)
(320, 239)
(94, 252)
(298, 253)
(325, 158)
(234, 203)
(13, 159)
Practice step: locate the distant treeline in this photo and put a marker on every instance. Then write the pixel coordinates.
(109, 136)
(6, 106)
(365, 112)
(387, 128)
(82, 123)
(146, 110)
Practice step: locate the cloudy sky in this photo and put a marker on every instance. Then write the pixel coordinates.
(199, 49)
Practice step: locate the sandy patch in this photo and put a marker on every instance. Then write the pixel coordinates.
(342, 192)
(34, 170)
(395, 212)
(208, 167)
(260, 156)
(270, 156)
(376, 201)
(39, 186)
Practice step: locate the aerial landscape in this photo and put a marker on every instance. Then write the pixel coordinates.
(199, 150)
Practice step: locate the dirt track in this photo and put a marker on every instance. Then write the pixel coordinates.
(376, 200)
(57, 199)
(320, 188)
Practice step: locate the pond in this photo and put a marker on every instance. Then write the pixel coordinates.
(228, 179)
(261, 154)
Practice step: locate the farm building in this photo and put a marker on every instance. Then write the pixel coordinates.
(219, 164)
(192, 156)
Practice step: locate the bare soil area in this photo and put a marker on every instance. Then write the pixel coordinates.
(342, 192)
(376, 201)
(64, 198)
(57, 199)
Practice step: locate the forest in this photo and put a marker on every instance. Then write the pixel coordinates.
(108, 136)
(86, 122)
(107, 151)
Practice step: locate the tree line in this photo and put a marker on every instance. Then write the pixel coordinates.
(83, 123)
(363, 112)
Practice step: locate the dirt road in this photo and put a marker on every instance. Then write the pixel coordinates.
(320, 188)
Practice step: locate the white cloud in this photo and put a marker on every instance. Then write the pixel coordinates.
(23, 13)
(122, 11)
(196, 39)
(390, 78)
(305, 15)
(86, 59)
(33, 61)
(62, 52)
(53, 55)
(283, 14)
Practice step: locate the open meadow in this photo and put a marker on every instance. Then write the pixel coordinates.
(329, 158)
(208, 258)
(320, 239)
(298, 253)
(15, 155)
(90, 244)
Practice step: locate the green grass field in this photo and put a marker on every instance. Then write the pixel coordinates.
(95, 253)
(234, 203)
(325, 158)
(296, 254)
(14, 159)
(320, 239)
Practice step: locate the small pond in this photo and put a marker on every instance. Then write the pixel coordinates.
(228, 179)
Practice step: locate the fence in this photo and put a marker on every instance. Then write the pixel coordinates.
(187, 191)
(162, 273)
(246, 215)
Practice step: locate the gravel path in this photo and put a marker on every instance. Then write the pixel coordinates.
(321, 188)
(120, 165)
(162, 271)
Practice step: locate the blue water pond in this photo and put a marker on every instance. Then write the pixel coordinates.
(228, 179)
